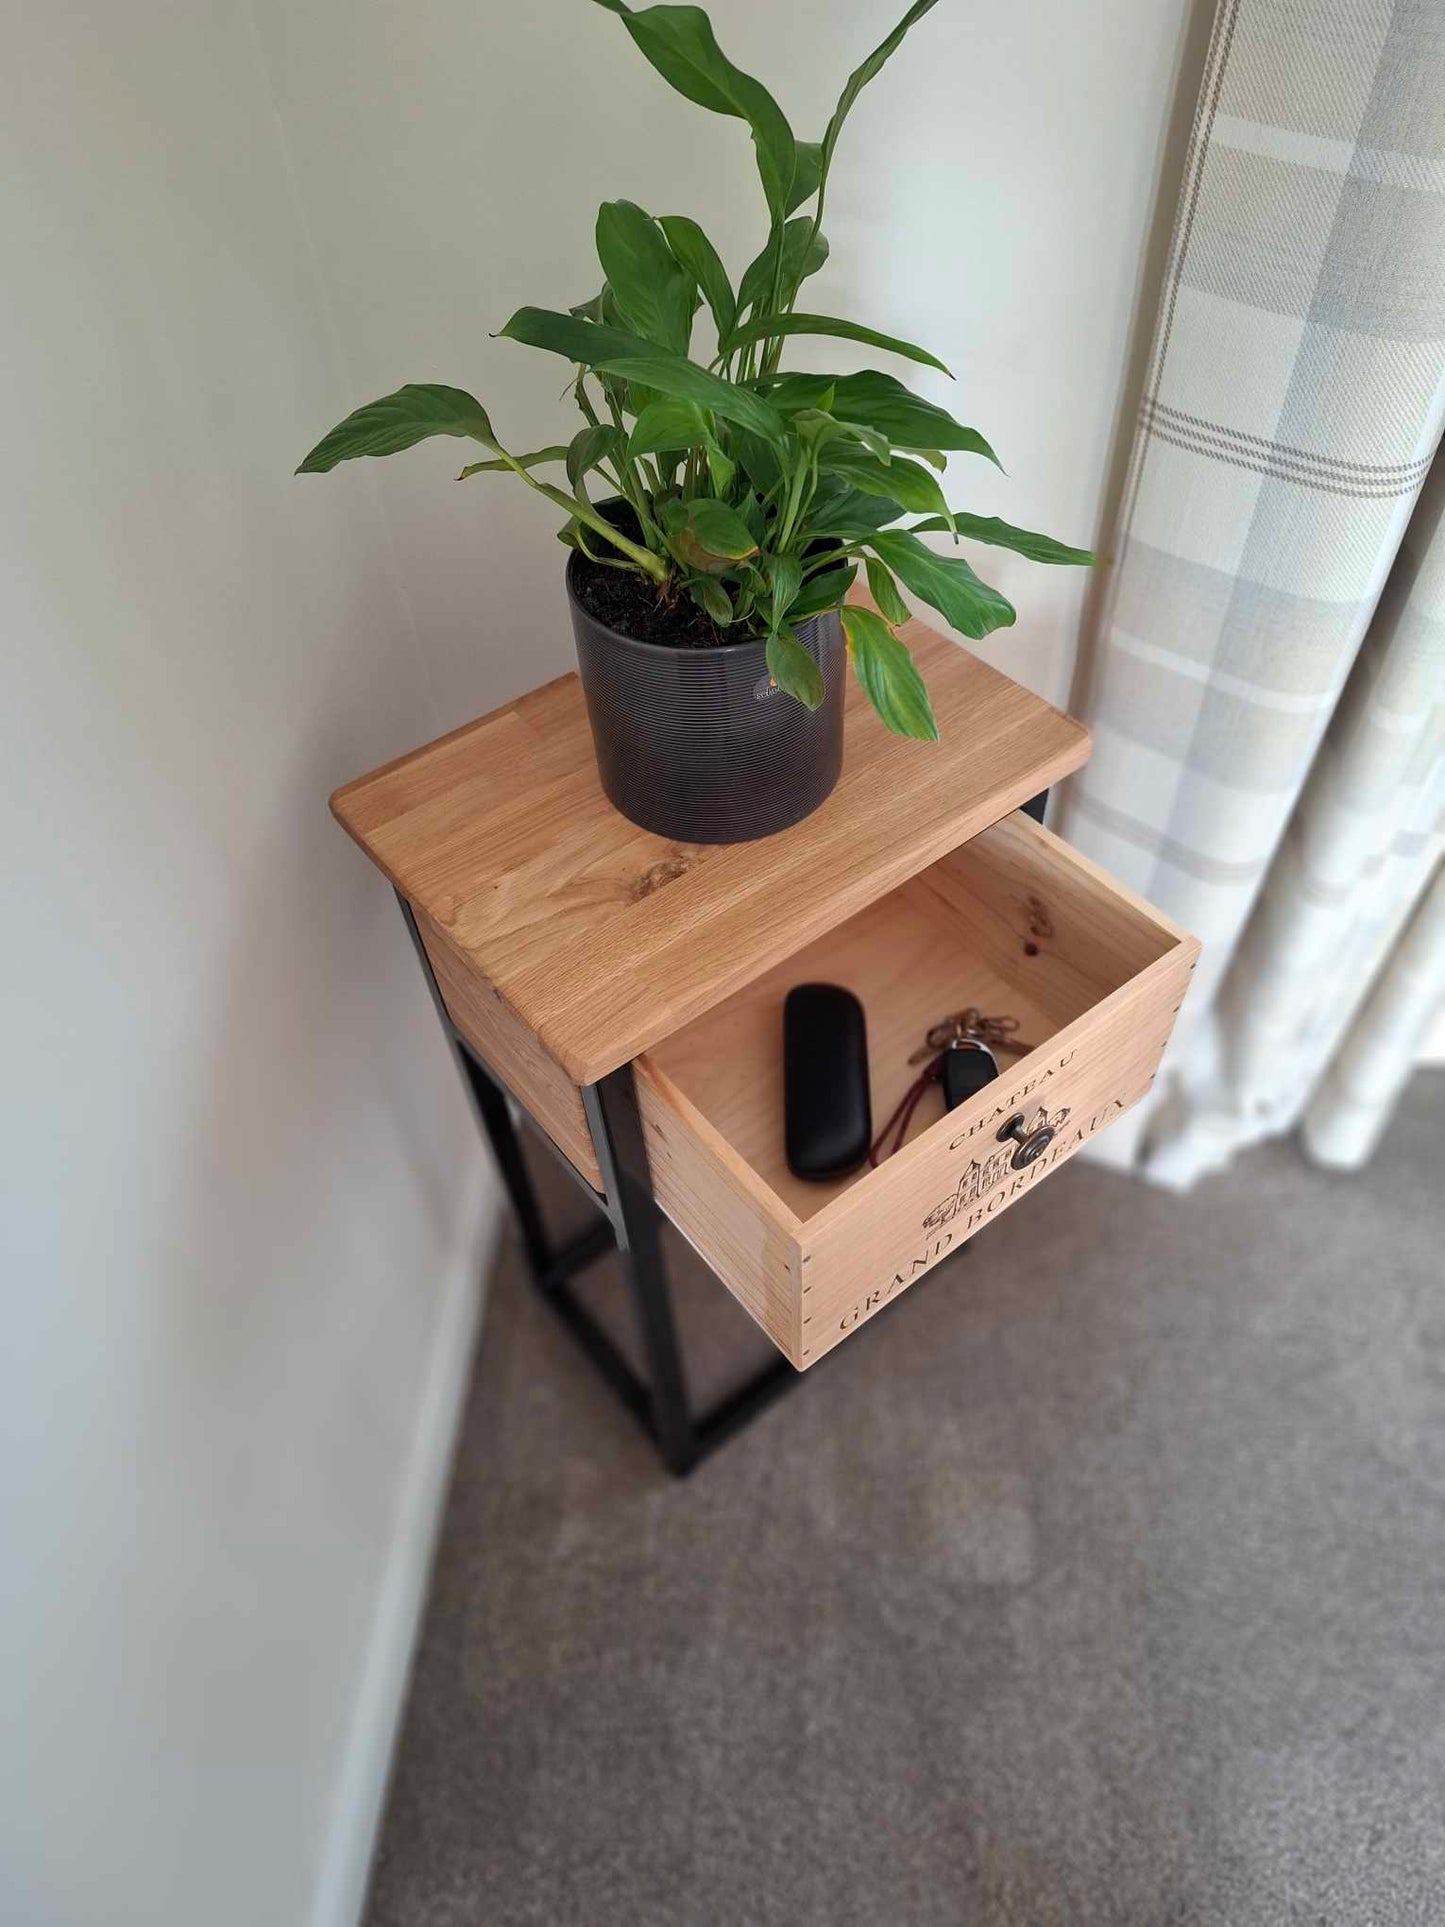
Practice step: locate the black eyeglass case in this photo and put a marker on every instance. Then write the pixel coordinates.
(827, 1116)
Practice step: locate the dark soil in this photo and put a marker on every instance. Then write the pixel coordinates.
(631, 604)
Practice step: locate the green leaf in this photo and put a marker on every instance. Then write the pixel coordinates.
(680, 45)
(823, 324)
(794, 670)
(815, 428)
(819, 428)
(905, 418)
(411, 415)
(668, 425)
(612, 351)
(807, 173)
(556, 453)
(1003, 535)
(908, 483)
(586, 450)
(706, 534)
(785, 575)
(753, 512)
(746, 588)
(793, 407)
(721, 468)
(889, 676)
(828, 492)
(588, 342)
(671, 375)
(795, 390)
(859, 79)
(945, 582)
(760, 461)
(878, 444)
(654, 293)
(698, 255)
(713, 597)
(803, 254)
(884, 403)
(934, 457)
(884, 591)
(823, 591)
(852, 516)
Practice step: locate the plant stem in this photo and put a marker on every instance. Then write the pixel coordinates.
(834, 559)
(603, 561)
(795, 500)
(634, 487)
(650, 564)
(583, 400)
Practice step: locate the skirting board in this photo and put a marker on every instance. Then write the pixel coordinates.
(361, 1783)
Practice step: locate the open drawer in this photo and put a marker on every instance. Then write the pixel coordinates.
(1013, 921)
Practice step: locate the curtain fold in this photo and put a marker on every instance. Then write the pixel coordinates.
(1359, 851)
(1352, 1105)
(1265, 699)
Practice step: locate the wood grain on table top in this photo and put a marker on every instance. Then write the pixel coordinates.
(604, 938)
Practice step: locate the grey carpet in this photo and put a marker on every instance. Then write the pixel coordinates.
(1098, 1581)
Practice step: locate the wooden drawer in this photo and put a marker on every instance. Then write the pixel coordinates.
(1013, 921)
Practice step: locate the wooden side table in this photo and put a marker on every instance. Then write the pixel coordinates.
(626, 992)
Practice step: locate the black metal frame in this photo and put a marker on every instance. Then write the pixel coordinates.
(631, 1224)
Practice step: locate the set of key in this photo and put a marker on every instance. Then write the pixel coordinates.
(963, 1051)
(961, 1054)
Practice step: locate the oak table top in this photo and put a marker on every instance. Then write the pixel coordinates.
(604, 938)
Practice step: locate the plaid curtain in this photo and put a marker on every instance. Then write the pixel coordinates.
(1264, 772)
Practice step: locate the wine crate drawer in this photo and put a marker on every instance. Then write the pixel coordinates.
(1013, 921)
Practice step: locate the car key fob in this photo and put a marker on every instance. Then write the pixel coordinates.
(967, 1067)
(827, 1116)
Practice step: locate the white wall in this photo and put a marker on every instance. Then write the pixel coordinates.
(240, 1220)
(242, 1211)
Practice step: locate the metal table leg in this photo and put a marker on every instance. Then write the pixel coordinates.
(616, 1125)
(631, 1226)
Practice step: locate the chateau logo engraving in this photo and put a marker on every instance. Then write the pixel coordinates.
(984, 1173)
(987, 1185)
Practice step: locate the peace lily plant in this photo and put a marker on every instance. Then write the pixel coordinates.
(712, 476)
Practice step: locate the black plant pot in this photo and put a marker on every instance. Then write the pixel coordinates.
(697, 744)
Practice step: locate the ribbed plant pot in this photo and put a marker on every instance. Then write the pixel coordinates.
(697, 744)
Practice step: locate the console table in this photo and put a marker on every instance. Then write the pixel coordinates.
(625, 994)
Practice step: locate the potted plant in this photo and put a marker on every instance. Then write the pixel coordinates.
(717, 505)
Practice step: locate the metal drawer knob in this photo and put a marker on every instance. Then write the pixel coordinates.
(1031, 1144)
